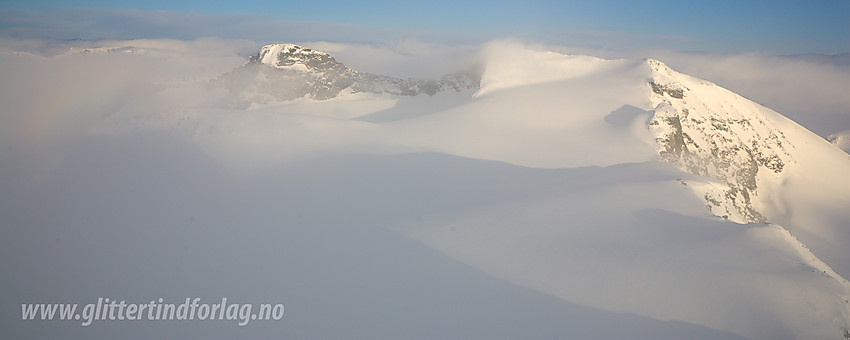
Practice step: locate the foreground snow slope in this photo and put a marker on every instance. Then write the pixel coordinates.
(118, 219)
(566, 197)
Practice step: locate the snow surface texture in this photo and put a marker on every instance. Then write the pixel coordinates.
(561, 197)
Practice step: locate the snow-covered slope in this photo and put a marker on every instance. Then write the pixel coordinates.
(769, 168)
(641, 201)
(712, 132)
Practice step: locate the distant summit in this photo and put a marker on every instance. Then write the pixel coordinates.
(294, 57)
(284, 72)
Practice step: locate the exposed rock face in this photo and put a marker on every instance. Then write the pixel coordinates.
(707, 130)
(282, 72)
(841, 140)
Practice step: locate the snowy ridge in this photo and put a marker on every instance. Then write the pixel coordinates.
(284, 72)
(290, 56)
(759, 166)
(710, 131)
(513, 66)
(103, 50)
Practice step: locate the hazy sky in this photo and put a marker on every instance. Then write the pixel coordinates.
(712, 26)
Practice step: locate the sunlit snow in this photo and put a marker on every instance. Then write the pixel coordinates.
(538, 205)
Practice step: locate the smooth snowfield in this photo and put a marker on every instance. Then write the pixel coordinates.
(536, 207)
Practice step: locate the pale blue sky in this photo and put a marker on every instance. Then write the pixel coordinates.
(712, 26)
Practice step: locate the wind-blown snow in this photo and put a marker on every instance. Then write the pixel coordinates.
(512, 65)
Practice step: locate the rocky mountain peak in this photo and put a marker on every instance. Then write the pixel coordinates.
(710, 131)
(283, 72)
(295, 57)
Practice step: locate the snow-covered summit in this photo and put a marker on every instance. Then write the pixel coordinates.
(710, 131)
(295, 57)
(284, 72)
(762, 166)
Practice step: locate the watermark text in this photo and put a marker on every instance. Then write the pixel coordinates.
(114, 310)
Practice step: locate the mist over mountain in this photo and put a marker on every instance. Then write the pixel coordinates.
(532, 194)
(283, 72)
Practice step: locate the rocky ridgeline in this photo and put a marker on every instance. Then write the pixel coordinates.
(283, 72)
(709, 131)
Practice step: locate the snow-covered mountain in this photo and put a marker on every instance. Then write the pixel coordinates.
(282, 72)
(757, 156)
(551, 195)
(717, 134)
